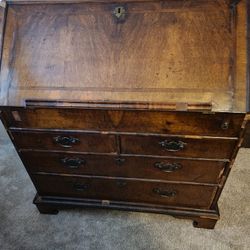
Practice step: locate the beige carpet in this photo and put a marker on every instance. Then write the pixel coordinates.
(22, 227)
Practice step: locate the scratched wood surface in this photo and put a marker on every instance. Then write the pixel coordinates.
(168, 52)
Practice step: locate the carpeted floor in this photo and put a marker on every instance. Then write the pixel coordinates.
(22, 227)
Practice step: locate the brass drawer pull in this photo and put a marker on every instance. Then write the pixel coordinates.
(172, 146)
(73, 162)
(65, 141)
(165, 193)
(119, 161)
(80, 187)
(168, 167)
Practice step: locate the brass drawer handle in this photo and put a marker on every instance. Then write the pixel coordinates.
(168, 167)
(165, 193)
(80, 187)
(119, 161)
(73, 162)
(172, 146)
(65, 141)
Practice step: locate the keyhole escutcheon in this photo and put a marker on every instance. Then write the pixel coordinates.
(119, 13)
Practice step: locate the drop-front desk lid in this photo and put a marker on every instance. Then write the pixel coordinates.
(175, 54)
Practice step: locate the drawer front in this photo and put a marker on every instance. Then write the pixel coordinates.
(124, 166)
(179, 123)
(70, 141)
(183, 147)
(126, 190)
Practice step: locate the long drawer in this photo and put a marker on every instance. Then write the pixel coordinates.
(178, 123)
(177, 146)
(126, 190)
(125, 166)
(70, 141)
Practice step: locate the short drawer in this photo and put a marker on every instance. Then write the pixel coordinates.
(182, 147)
(140, 121)
(67, 141)
(126, 190)
(199, 171)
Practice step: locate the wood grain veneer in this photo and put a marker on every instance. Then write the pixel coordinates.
(135, 105)
(55, 53)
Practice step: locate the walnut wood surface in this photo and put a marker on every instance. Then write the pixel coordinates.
(185, 54)
(200, 171)
(46, 141)
(199, 148)
(183, 123)
(130, 144)
(115, 189)
(83, 73)
(241, 66)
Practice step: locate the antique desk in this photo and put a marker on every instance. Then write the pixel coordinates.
(133, 105)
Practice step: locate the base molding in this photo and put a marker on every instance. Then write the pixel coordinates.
(201, 218)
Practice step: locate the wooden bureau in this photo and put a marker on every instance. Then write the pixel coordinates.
(136, 105)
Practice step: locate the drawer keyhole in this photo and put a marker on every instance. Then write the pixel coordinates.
(225, 125)
(80, 187)
(119, 13)
(121, 183)
(119, 161)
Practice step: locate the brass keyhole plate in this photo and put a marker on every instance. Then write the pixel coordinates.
(120, 13)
